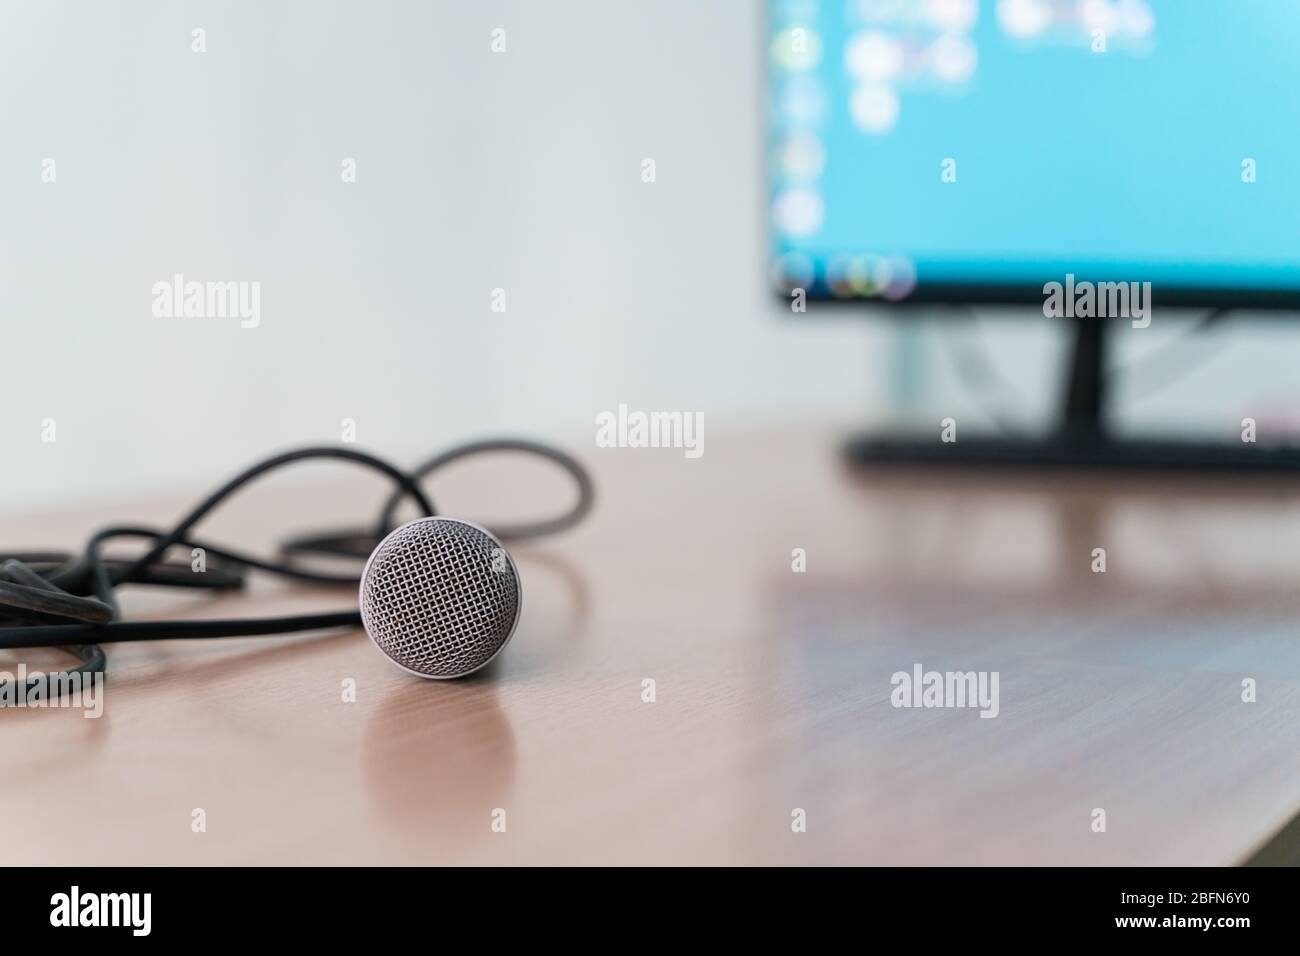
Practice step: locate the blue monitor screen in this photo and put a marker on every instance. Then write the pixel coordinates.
(918, 145)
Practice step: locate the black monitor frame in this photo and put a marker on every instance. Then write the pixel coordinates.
(1268, 300)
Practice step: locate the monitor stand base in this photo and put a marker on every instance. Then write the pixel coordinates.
(1059, 451)
(1082, 441)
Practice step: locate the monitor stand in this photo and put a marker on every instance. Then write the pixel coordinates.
(1082, 439)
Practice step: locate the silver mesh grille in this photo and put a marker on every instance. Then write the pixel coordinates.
(440, 597)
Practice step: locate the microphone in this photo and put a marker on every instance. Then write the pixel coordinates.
(440, 597)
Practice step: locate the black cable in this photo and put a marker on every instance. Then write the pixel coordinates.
(61, 635)
(57, 603)
(976, 370)
(103, 585)
(1173, 372)
(358, 543)
(51, 599)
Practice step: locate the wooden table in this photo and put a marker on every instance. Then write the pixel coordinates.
(1120, 691)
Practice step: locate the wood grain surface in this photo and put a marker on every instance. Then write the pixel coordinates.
(1120, 691)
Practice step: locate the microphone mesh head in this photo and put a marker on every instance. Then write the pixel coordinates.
(440, 597)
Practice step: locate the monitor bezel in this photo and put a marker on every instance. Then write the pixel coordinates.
(941, 293)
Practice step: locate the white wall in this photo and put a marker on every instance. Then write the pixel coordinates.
(475, 171)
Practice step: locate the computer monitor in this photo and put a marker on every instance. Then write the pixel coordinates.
(970, 151)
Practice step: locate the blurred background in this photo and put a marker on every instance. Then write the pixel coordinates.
(475, 171)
